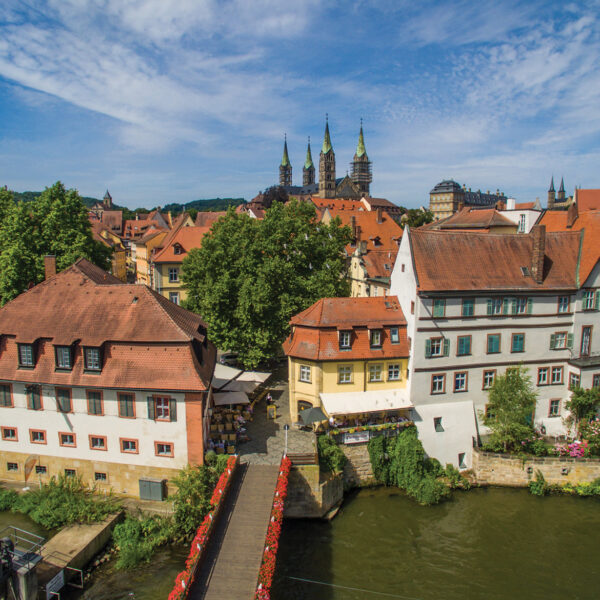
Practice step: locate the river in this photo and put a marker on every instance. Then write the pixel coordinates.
(489, 543)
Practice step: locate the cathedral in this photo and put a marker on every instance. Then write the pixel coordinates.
(356, 185)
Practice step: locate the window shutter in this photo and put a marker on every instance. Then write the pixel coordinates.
(552, 341)
(529, 305)
(505, 306)
(446, 346)
(513, 307)
(490, 306)
(151, 411)
(569, 340)
(427, 348)
(597, 299)
(173, 409)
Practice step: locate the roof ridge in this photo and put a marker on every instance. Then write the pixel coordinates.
(159, 302)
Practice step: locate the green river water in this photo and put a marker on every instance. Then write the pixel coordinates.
(484, 544)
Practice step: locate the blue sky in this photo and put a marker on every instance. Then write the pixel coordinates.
(173, 100)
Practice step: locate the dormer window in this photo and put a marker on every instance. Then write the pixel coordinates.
(177, 249)
(92, 359)
(345, 341)
(375, 338)
(394, 335)
(63, 357)
(26, 358)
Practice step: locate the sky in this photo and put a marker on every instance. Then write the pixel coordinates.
(173, 100)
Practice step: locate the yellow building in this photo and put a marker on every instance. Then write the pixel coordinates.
(143, 251)
(349, 357)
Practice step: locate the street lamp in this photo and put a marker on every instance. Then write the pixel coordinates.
(286, 428)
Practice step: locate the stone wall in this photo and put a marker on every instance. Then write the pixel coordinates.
(358, 471)
(311, 494)
(504, 469)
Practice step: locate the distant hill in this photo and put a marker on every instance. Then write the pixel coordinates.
(31, 196)
(208, 204)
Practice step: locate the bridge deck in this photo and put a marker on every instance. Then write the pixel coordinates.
(230, 568)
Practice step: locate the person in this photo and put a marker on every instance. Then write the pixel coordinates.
(269, 398)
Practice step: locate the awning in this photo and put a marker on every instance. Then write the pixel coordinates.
(227, 378)
(240, 386)
(255, 376)
(365, 402)
(224, 374)
(224, 398)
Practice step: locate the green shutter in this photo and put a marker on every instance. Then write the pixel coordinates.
(505, 306)
(151, 411)
(427, 348)
(569, 340)
(597, 299)
(490, 306)
(529, 305)
(173, 409)
(552, 341)
(446, 346)
(513, 307)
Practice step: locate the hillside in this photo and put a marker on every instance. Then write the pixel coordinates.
(30, 196)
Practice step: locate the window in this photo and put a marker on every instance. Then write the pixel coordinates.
(488, 379)
(161, 407)
(126, 405)
(345, 340)
(560, 340)
(394, 372)
(66, 439)
(522, 220)
(439, 307)
(494, 306)
(163, 449)
(177, 248)
(63, 400)
(493, 343)
(37, 436)
(6, 399)
(468, 307)
(460, 382)
(70, 473)
(94, 402)
(518, 342)
(174, 297)
(437, 424)
(543, 375)
(63, 357)
(345, 374)
(98, 442)
(554, 409)
(129, 446)
(462, 464)
(375, 338)
(588, 300)
(574, 380)
(463, 345)
(305, 373)
(412, 308)
(557, 375)
(394, 335)
(519, 306)
(438, 384)
(596, 380)
(26, 355)
(9, 434)
(375, 372)
(586, 337)
(101, 477)
(173, 274)
(437, 347)
(92, 358)
(563, 304)
(34, 397)
(40, 470)
(12, 466)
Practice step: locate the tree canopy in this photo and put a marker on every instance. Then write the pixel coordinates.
(250, 276)
(511, 404)
(583, 404)
(55, 223)
(415, 217)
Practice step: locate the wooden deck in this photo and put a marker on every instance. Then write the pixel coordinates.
(230, 567)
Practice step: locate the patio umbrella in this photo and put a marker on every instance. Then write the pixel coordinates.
(312, 415)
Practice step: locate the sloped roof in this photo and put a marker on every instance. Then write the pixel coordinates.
(469, 218)
(455, 261)
(588, 200)
(135, 228)
(206, 219)
(337, 203)
(112, 218)
(379, 203)
(98, 228)
(525, 206)
(187, 238)
(379, 263)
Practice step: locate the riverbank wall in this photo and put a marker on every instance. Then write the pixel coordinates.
(357, 471)
(516, 471)
(311, 493)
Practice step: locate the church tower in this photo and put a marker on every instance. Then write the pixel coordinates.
(285, 168)
(561, 191)
(327, 166)
(107, 201)
(551, 195)
(308, 171)
(361, 166)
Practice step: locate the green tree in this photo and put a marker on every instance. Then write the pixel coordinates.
(415, 217)
(510, 408)
(583, 405)
(55, 223)
(250, 277)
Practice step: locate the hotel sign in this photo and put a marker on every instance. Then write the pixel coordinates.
(357, 437)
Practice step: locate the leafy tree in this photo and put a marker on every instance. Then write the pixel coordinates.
(511, 404)
(583, 404)
(276, 193)
(250, 277)
(55, 223)
(415, 217)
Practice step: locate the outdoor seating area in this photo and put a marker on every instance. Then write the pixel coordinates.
(228, 427)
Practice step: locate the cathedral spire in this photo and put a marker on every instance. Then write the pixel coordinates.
(285, 168)
(326, 139)
(361, 166)
(561, 191)
(285, 161)
(360, 148)
(309, 161)
(551, 194)
(562, 185)
(308, 171)
(551, 184)
(327, 166)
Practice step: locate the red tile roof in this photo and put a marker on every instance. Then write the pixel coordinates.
(338, 204)
(113, 220)
(186, 238)
(206, 219)
(315, 330)
(456, 260)
(525, 206)
(383, 203)
(148, 342)
(136, 228)
(379, 263)
(588, 200)
(469, 218)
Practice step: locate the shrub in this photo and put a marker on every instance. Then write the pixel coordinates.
(331, 456)
(455, 479)
(7, 499)
(539, 486)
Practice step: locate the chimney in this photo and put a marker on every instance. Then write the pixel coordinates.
(572, 214)
(379, 215)
(510, 204)
(461, 205)
(353, 227)
(363, 247)
(538, 233)
(358, 230)
(49, 265)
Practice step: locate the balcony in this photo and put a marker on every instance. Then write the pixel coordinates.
(586, 362)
